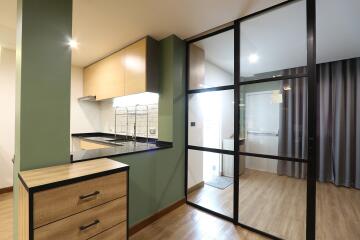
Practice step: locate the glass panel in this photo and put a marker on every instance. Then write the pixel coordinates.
(210, 181)
(338, 120)
(337, 33)
(272, 196)
(211, 61)
(273, 42)
(211, 119)
(273, 118)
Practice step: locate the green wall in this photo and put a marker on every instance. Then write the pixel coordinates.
(157, 178)
(43, 62)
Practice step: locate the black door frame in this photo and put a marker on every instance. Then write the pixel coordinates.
(311, 78)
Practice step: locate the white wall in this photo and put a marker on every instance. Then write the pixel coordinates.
(195, 168)
(195, 136)
(107, 116)
(214, 76)
(84, 115)
(7, 119)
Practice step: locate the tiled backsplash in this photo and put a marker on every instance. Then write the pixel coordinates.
(146, 120)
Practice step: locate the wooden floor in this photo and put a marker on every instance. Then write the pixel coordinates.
(277, 205)
(184, 223)
(188, 223)
(6, 216)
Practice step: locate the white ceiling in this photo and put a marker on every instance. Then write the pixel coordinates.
(103, 26)
(279, 38)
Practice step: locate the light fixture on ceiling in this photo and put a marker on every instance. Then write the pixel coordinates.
(253, 58)
(73, 44)
(287, 88)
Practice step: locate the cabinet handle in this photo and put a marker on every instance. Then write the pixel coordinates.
(82, 228)
(82, 197)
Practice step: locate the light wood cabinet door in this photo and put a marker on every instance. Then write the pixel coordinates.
(91, 82)
(85, 224)
(105, 78)
(111, 77)
(135, 67)
(131, 70)
(50, 206)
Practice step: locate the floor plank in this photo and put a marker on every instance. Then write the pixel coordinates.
(6, 216)
(186, 223)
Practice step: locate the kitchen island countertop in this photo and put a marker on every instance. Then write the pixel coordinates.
(123, 148)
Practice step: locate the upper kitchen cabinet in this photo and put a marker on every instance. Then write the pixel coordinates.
(105, 78)
(131, 70)
(141, 67)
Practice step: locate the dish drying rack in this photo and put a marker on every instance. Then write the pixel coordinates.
(133, 121)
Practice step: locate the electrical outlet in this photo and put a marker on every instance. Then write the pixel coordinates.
(152, 131)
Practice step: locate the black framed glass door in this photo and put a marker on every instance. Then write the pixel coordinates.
(250, 135)
(273, 121)
(210, 123)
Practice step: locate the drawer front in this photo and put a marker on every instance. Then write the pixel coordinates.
(61, 202)
(85, 224)
(115, 233)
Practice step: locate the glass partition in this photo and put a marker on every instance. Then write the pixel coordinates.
(211, 61)
(338, 120)
(273, 42)
(210, 181)
(289, 124)
(211, 119)
(273, 118)
(272, 199)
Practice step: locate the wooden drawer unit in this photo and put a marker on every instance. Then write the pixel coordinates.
(85, 224)
(115, 233)
(79, 197)
(74, 201)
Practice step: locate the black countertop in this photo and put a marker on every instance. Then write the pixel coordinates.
(120, 148)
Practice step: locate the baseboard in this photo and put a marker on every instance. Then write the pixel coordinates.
(6, 190)
(137, 227)
(196, 187)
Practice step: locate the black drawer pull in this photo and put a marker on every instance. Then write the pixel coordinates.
(82, 228)
(89, 195)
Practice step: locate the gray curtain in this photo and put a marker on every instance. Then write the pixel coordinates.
(338, 124)
(293, 125)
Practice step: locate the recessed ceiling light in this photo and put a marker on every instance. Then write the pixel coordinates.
(253, 58)
(73, 43)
